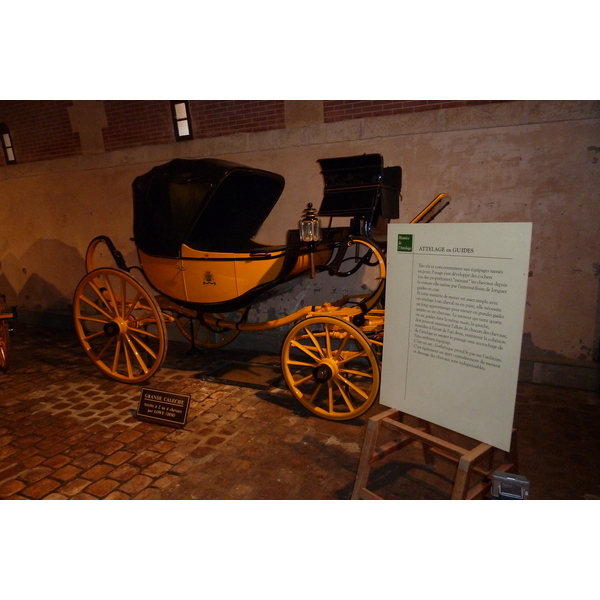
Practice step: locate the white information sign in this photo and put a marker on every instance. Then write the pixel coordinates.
(455, 305)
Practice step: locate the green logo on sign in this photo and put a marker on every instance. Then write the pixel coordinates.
(405, 242)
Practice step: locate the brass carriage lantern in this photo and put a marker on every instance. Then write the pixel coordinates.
(310, 232)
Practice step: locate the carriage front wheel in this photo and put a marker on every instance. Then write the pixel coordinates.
(330, 367)
(119, 325)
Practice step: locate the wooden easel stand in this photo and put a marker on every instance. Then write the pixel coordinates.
(468, 461)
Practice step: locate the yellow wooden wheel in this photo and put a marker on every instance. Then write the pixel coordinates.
(209, 336)
(330, 367)
(119, 325)
(4, 342)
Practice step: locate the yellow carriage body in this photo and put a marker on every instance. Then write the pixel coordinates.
(220, 277)
(194, 227)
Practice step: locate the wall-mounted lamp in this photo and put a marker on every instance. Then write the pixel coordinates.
(310, 232)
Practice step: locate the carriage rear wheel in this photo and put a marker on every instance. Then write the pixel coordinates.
(209, 336)
(330, 367)
(119, 325)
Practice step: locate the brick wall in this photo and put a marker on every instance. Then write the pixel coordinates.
(39, 129)
(214, 118)
(133, 123)
(344, 110)
(42, 130)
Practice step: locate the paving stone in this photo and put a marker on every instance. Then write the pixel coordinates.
(72, 488)
(118, 496)
(54, 450)
(66, 473)
(162, 446)
(10, 471)
(6, 451)
(185, 465)
(97, 472)
(118, 458)
(145, 458)
(174, 456)
(9, 488)
(32, 440)
(165, 481)
(76, 437)
(156, 469)
(139, 445)
(136, 484)
(155, 435)
(36, 474)
(33, 461)
(129, 436)
(102, 488)
(88, 460)
(148, 494)
(57, 461)
(7, 439)
(40, 489)
(124, 472)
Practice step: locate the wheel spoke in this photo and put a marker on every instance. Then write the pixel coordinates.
(123, 297)
(357, 373)
(343, 361)
(311, 400)
(132, 306)
(131, 341)
(354, 387)
(109, 341)
(342, 345)
(327, 340)
(298, 363)
(305, 350)
(111, 293)
(94, 320)
(303, 380)
(115, 365)
(330, 392)
(144, 332)
(316, 343)
(127, 357)
(93, 336)
(98, 291)
(142, 344)
(345, 396)
(96, 307)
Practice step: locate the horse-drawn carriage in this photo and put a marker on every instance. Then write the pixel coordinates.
(194, 227)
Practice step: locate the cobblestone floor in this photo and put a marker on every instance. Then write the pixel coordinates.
(68, 432)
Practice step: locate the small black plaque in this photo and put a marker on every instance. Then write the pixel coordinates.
(162, 407)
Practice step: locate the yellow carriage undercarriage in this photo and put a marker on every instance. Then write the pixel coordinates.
(330, 358)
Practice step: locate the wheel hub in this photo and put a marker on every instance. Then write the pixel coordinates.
(322, 373)
(325, 371)
(115, 328)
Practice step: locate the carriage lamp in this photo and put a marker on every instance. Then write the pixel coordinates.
(310, 232)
